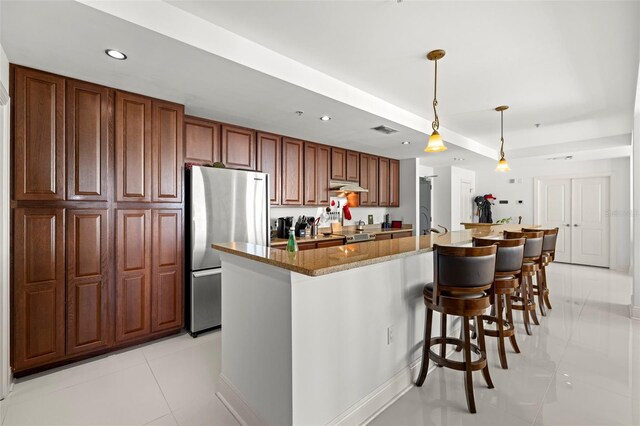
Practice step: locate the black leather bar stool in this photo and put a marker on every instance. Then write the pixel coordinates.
(548, 256)
(509, 260)
(524, 300)
(462, 283)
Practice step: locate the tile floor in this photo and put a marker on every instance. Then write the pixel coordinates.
(581, 367)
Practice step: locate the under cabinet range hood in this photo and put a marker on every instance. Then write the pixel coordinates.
(339, 186)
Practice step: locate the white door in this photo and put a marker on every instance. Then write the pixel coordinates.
(590, 221)
(466, 192)
(578, 208)
(554, 209)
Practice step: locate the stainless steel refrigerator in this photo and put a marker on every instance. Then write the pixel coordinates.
(223, 205)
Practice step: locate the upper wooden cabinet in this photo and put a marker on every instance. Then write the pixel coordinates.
(238, 147)
(201, 140)
(369, 179)
(88, 110)
(269, 159)
(166, 259)
(292, 176)
(133, 147)
(87, 280)
(353, 166)
(38, 291)
(39, 162)
(166, 148)
(383, 182)
(338, 164)
(394, 183)
(317, 168)
(323, 171)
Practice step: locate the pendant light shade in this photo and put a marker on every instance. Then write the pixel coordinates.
(502, 166)
(435, 143)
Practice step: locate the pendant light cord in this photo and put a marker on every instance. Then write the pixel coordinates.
(436, 122)
(501, 135)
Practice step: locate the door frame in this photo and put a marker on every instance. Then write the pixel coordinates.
(536, 203)
(6, 377)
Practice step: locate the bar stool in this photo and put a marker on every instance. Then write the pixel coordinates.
(548, 256)
(462, 282)
(524, 299)
(509, 260)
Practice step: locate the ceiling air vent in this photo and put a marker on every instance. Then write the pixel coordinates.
(385, 129)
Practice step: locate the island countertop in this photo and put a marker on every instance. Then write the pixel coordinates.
(328, 260)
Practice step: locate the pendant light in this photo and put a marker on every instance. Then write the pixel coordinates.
(435, 140)
(502, 163)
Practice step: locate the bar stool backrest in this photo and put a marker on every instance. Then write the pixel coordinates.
(533, 244)
(510, 252)
(549, 240)
(464, 267)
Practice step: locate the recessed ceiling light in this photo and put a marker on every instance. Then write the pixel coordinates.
(115, 54)
(325, 118)
(458, 159)
(299, 113)
(406, 142)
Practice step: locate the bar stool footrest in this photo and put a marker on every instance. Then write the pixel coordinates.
(476, 365)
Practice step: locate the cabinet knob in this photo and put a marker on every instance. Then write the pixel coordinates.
(575, 224)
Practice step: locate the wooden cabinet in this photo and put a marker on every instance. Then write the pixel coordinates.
(394, 183)
(201, 140)
(88, 111)
(292, 176)
(353, 166)
(403, 234)
(338, 164)
(39, 161)
(383, 182)
(316, 174)
(166, 151)
(238, 147)
(269, 160)
(369, 179)
(381, 237)
(133, 274)
(166, 294)
(330, 243)
(306, 246)
(87, 286)
(133, 147)
(38, 287)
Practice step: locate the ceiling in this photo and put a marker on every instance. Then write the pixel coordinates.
(570, 66)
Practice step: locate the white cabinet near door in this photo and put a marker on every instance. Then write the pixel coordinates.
(579, 208)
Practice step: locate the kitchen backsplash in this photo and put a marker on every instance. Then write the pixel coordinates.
(357, 213)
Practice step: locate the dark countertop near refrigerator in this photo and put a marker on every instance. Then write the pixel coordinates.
(277, 242)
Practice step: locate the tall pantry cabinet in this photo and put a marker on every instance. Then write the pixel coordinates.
(97, 219)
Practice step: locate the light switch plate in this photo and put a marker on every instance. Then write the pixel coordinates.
(370, 219)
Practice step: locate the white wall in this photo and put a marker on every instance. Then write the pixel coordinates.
(459, 175)
(441, 197)
(408, 212)
(635, 183)
(496, 183)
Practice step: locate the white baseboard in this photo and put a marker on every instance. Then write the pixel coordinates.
(634, 312)
(235, 403)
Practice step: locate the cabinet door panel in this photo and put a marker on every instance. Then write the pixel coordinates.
(38, 287)
(338, 164)
(238, 148)
(373, 180)
(310, 180)
(202, 140)
(383, 181)
(353, 166)
(364, 179)
(133, 147)
(133, 276)
(394, 183)
(292, 177)
(323, 171)
(87, 280)
(39, 135)
(87, 139)
(167, 151)
(167, 299)
(269, 161)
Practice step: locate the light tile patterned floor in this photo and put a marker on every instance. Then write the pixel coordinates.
(581, 367)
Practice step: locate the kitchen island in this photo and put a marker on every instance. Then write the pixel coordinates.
(324, 336)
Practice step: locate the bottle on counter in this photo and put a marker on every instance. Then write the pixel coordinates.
(292, 245)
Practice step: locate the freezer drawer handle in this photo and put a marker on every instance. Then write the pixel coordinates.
(207, 273)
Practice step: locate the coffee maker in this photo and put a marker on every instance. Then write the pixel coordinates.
(284, 224)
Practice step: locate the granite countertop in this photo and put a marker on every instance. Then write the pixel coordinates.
(277, 242)
(328, 260)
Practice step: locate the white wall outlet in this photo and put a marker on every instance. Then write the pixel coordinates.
(389, 335)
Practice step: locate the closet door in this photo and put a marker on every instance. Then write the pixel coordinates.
(590, 221)
(554, 210)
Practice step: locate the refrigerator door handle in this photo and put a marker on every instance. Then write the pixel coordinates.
(200, 274)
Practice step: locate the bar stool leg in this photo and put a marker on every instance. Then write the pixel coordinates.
(443, 333)
(541, 291)
(532, 300)
(500, 323)
(524, 294)
(425, 347)
(546, 288)
(468, 374)
(512, 339)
